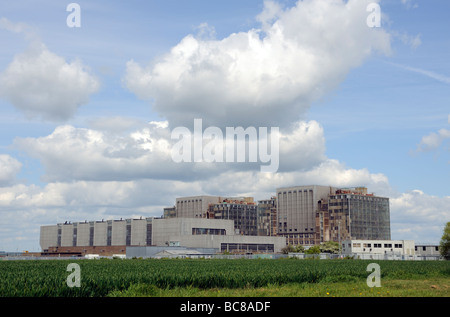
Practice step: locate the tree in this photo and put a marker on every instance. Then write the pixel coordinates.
(445, 242)
(288, 249)
(330, 247)
(313, 250)
(299, 248)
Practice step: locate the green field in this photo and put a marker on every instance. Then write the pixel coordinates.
(199, 277)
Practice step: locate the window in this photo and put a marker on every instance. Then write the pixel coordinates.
(208, 231)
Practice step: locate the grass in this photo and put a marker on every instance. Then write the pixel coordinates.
(224, 278)
(435, 287)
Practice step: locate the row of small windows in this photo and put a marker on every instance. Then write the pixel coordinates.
(424, 248)
(208, 231)
(295, 191)
(188, 201)
(246, 247)
(377, 245)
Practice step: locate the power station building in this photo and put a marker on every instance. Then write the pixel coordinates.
(305, 215)
(355, 214)
(114, 236)
(310, 215)
(296, 210)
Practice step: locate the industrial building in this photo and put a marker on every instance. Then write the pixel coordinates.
(114, 236)
(242, 212)
(198, 206)
(305, 215)
(98, 233)
(267, 217)
(428, 251)
(390, 250)
(353, 214)
(379, 247)
(296, 211)
(310, 215)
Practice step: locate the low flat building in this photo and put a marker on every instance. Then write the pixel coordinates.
(388, 248)
(217, 234)
(428, 251)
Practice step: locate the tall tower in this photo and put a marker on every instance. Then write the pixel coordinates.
(296, 211)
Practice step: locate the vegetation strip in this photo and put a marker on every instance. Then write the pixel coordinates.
(101, 278)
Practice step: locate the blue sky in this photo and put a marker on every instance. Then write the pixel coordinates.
(367, 106)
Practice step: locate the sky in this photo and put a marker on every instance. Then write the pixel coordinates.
(89, 98)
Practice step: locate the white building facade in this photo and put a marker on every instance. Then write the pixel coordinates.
(379, 249)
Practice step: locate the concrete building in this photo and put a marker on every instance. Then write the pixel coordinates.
(116, 235)
(378, 249)
(242, 212)
(198, 206)
(428, 251)
(310, 215)
(354, 214)
(194, 206)
(170, 212)
(267, 217)
(213, 234)
(98, 233)
(296, 211)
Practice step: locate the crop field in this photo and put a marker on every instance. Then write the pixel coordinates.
(185, 277)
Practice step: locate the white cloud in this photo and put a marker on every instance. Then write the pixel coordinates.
(9, 167)
(42, 84)
(418, 216)
(433, 140)
(71, 153)
(121, 149)
(263, 76)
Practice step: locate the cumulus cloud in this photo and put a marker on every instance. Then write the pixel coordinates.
(108, 151)
(42, 84)
(433, 140)
(302, 148)
(419, 216)
(9, 167)
(71, 153)
(264, 76)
